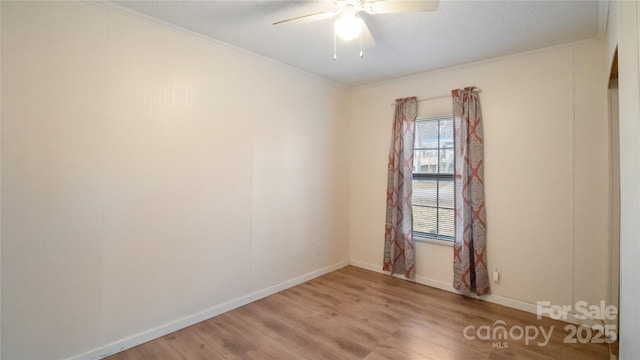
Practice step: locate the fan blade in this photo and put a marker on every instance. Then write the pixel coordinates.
(396, 6)
(309, 18)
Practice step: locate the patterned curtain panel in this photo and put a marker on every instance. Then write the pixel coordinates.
(469, 249)
(399, 256)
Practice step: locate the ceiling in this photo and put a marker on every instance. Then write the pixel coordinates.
(459, 32)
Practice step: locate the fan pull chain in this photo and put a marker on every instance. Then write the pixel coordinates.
(334, 45)
(361, 53)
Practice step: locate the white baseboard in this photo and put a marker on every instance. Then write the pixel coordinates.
(496, 299)
(366, 265)
(189, 320)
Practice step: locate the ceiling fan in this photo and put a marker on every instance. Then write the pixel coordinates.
(349, 25)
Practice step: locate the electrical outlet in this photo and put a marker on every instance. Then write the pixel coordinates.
(318, 248)
(497, 272)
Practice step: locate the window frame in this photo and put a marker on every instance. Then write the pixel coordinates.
(437, 177)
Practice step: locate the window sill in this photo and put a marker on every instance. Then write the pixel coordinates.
(432, 240)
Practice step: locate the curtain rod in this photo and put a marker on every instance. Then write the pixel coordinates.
(434, 97)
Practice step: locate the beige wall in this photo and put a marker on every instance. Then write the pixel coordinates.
(151, 179)
(624, 32)
(546, 170)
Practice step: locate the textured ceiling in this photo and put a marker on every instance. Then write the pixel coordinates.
(458, 32)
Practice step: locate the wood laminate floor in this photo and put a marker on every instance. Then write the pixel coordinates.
(353, 313)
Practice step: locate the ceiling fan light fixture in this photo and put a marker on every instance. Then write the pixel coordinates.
(348, 26)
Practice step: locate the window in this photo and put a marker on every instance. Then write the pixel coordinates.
(433, 190)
